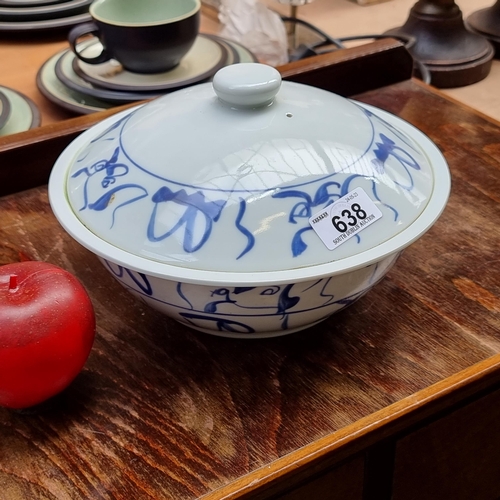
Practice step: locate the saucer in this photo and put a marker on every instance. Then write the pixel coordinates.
(55, 91)
(24, 114)
(202, 61)
(44, 12)
(4, 109)
(59, 83)
(67, 75)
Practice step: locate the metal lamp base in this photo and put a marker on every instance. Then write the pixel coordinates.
(486, 22)
(454, 56)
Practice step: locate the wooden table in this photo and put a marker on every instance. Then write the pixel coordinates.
(21, 56)
(396, 397)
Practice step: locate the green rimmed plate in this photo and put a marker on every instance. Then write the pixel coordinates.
(4, 109)
(55, 91)
(24, 114)
(201, 62)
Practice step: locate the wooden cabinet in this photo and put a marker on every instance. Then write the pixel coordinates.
(457, 456)
(344, 482)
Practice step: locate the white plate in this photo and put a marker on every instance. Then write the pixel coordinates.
(24, 114)
(200, 63)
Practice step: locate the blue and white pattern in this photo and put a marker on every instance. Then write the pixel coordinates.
(249, 311)
(176, 221)
(200, 207)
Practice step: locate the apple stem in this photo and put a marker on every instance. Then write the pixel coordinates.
(13, 282)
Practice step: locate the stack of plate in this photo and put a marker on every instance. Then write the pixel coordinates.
(29, 16)
(17, 112)
(85, 88)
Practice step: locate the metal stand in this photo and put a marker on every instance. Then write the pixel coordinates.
(486, 22)
(454, 56)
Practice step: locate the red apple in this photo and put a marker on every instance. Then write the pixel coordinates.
(47, 328)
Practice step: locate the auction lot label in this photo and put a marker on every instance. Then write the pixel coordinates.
(340, 221)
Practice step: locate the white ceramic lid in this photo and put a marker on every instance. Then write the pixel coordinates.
(233, 175)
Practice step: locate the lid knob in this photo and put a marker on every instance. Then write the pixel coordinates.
(246, 85)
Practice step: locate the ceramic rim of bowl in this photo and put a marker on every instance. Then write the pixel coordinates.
(63, 211)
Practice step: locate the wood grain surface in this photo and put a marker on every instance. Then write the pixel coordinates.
(164, 412)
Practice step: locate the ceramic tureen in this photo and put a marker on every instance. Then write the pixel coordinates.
(249, 206)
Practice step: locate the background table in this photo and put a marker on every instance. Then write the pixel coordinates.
(22, 56)
(395, 397)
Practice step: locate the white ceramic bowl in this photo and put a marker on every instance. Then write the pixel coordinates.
(255, 212)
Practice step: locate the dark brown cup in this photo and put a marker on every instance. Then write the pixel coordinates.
(146, 36)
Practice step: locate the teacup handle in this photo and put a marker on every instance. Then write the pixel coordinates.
(80, 30)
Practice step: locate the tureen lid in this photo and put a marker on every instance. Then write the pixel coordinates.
(249, 173)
